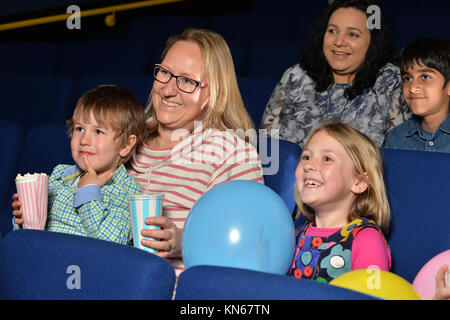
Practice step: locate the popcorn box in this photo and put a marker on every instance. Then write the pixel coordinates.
(33, 194)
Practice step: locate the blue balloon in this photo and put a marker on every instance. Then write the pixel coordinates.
(241, 224)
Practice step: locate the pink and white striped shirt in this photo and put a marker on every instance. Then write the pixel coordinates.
(195, 165)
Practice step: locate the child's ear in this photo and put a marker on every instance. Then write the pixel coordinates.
(128, 146)
(361, 183)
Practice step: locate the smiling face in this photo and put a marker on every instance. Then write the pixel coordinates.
(425, 93)
(326, 177)
(345, 43)
(98, 142)
(174, 108)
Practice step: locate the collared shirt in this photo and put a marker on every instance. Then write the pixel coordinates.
(295, 107)
(93, 211)
(411, 135)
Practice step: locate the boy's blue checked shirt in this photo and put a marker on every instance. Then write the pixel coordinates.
(93, 211)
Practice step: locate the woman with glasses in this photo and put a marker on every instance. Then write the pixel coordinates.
(197, 135)
(343, 75)
(195, 114)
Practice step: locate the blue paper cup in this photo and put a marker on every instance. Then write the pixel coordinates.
(143, 206)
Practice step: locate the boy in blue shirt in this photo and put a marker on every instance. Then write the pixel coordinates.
(90, 197)
(425, 65)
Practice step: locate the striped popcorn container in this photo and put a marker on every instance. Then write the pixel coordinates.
(142, 206)
(33, 194)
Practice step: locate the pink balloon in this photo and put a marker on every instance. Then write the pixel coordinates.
(425, 282)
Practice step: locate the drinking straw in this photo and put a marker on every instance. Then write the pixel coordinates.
(147, 189)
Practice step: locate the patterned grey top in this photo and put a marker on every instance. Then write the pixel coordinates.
(295, 108)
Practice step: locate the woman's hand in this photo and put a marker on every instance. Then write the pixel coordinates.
(169, 243)
(17, 209)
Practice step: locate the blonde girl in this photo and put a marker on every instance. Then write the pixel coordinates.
(341, 192)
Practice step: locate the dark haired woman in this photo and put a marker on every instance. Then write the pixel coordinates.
(344, 74)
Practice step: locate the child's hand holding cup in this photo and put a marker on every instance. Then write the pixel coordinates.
(33, 195)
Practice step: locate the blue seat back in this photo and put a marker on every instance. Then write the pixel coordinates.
(35, 99)
(247, 27)
(107, 57)
(11, 144)
(279, 159)
(155, 30)
(240, 55)
(45, 147)
(272, 58)
(40, 264)
(418, 185)
(140, 85)
(404, 31)
(19, 58)
(225, 283)
(255, 93)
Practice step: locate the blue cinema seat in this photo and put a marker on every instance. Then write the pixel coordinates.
(396, 10)
(301, 14)
(45, 147)
(255, 93)
(103, 57)
(40, 264)
(6, 222)
(225, 283)
(11, 142)
(29, 57)
(240, 56)
(35, 99)
(154, 31)
(418, 186)
(140, 85)
(272, 58)
(247, 28)
(410, 26)
(279, 160)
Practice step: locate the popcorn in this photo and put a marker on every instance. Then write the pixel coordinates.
(29, 176)
(33, 194)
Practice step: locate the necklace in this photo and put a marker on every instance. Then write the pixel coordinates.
(328, 104)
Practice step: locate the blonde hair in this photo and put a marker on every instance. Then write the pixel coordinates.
(225, 109)
(114, 106)
(373, 202)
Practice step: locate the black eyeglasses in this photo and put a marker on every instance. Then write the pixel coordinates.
(185, 84)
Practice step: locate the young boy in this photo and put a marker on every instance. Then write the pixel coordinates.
(425, 65)
(90, 198)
